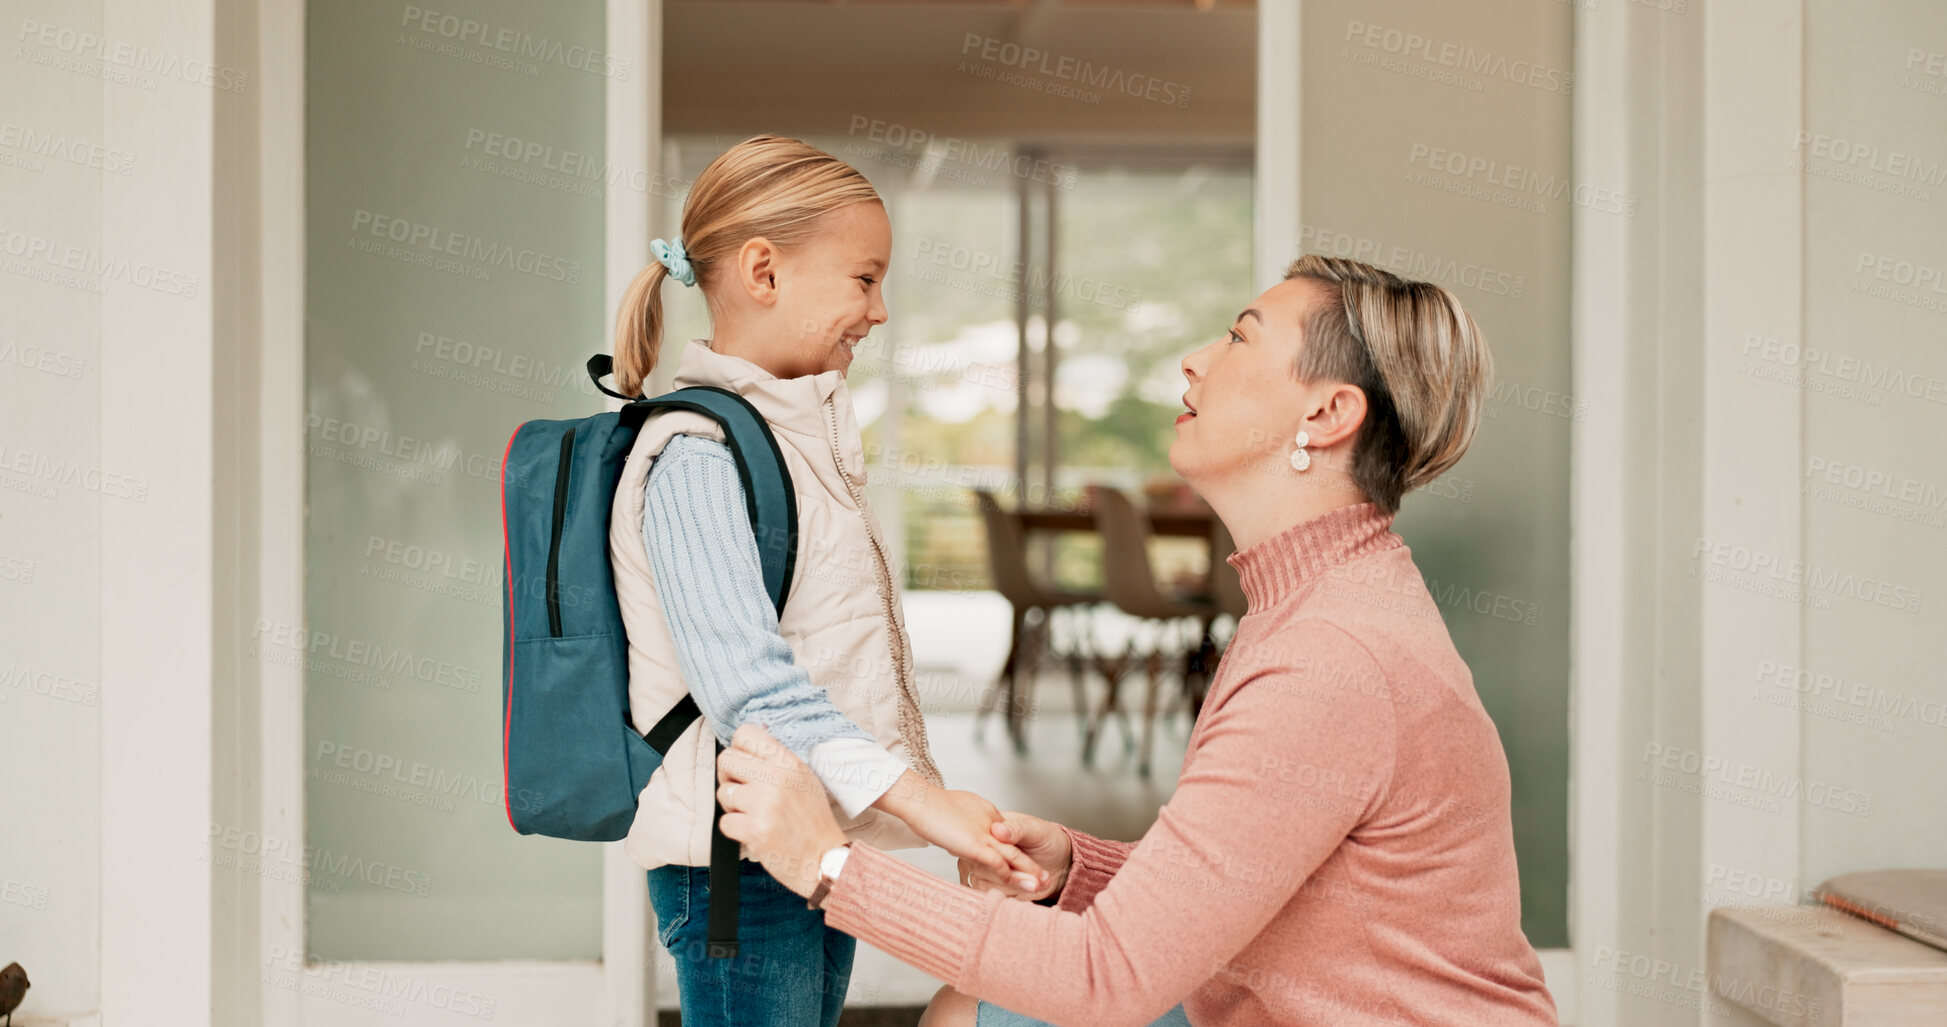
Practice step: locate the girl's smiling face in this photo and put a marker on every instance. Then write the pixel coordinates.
(830, 288)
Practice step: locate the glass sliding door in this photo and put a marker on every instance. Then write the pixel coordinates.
(1151, 259)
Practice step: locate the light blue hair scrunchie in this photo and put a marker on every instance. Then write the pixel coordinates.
(673, 257)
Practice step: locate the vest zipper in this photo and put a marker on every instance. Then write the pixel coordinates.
(911, 729)
(554, 541)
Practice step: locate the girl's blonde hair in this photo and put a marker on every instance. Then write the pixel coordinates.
(768, 186)
(1416, 354)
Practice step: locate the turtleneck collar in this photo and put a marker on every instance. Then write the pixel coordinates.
(1288, 561)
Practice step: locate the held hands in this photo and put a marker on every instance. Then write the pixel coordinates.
(1044, 842)
(964, 824)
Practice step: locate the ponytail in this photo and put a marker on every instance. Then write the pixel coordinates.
(639, 329)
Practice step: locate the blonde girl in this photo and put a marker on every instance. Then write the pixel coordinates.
(790, 247)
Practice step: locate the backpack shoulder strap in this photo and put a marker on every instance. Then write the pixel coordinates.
(768, 497)
(773, 508)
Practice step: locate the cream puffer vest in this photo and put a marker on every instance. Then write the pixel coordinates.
(841, 618)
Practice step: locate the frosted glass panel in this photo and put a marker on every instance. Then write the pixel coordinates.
(1873, 374)
(1458, 173)
(454, 190)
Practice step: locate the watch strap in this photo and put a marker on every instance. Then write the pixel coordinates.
(825, 880)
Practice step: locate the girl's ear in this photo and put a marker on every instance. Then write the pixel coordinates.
(757, 262)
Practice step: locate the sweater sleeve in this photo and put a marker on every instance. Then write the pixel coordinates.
(1281, 775)
(740, 670)
(1092, 862)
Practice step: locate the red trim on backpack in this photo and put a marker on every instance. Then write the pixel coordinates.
(507, 726)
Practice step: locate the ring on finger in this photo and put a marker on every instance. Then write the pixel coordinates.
(729, 794)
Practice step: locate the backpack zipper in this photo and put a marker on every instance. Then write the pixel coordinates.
(554, 541)
(908, 704)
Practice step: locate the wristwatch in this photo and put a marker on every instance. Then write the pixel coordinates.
(829, 865)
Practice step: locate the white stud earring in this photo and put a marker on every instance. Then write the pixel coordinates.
(1299, 458)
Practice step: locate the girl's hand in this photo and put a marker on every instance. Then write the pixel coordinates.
(776, 806)
(963, 823)
(1045, 842)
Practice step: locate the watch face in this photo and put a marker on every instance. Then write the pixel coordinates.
(833, 860)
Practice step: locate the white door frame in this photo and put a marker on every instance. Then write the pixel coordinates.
(1695, 113)
(1599, 333)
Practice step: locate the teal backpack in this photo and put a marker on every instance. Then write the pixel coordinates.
(573, 755)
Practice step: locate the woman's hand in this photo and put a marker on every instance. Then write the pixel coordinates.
(1043, 841)
(776, 806)
(963, 823)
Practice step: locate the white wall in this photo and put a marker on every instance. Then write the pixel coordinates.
(130, 506)
(1758, 651)
(54, 158)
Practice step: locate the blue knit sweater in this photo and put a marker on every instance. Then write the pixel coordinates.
(740, 670)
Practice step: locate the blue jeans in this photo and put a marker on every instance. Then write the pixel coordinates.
(991, 1015)
(790, 969)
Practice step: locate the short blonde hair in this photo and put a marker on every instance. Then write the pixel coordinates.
(768, 186)
(1416, 354)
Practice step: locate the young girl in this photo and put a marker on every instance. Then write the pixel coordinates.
(790, 246)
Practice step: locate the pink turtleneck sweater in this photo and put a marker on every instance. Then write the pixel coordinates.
(1338, 849)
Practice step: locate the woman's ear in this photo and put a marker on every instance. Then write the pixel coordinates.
(757, 262)
(1337, 411)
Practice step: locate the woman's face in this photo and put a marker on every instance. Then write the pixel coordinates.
(1245, 403)
(830, 288)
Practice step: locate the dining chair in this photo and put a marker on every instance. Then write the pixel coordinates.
(1130, 584)
(1227, 595)
(1034, 617)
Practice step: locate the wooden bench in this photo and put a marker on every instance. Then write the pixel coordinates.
(1809, 966)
